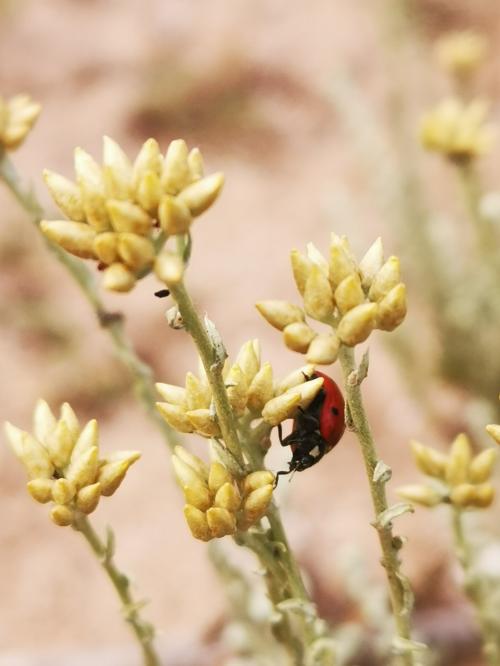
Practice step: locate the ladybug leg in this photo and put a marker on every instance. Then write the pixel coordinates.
(281, 473)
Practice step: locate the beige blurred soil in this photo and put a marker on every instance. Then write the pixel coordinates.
(289, 173)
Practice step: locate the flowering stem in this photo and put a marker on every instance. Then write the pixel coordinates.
(111, 322)
(474, 589)
(104, 552)
(398, 588)
(471, 192)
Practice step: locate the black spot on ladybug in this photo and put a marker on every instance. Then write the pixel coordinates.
(335, 411)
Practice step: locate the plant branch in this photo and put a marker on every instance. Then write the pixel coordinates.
(471, 192)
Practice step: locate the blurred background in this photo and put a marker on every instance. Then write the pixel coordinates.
(310, 109)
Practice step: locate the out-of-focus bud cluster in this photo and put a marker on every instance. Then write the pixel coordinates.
(118, 210)
(17, 116)
(461, 53)
(216, 503)
(63, 463)
(494, 431)
(458, 478)
(354, 298)
(458, 130)
(251, 390)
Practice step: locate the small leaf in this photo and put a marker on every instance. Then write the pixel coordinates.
(386, 517)
(382, 472)
(220, 353)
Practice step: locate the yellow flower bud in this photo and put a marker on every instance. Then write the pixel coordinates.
(256, 480)
(198, 394)
(494, 431)
(197, 523)
(112, 473)
(324, 349)
(118, 277)
(19, 115)
(237, 389)
(483, 495)
(175, 395)
(67, 195)
(198, 495)
(193, 461)
(204, 422)
(88, 498)
(105, 247)
(429, 461)
(462, 495)
(149, 192)
(461, 52)
(482, 465)
(318, 298)
(298, 336)
(63, 491)
(175, 416)
(117, 170)
(221, 522)
(349, 293)
(62, 515)
(392, 308)
(307, 391)
(176, 174)
(248, 359)
(257, 503)
(280, 313)
(261, 389)
(40, 490)
(137, 252)
(420, 494)
(357, 324)
(317, 258)
(218, 476)
(228, 497)
(342, 263)
(30, 452)
(457, 467)
(371, 263)
(94, 205)
(195, 162)
(74, 237)
(301, 267)
(88, 438)
(71, 420)
(186, 474)
(201, 194)
(128, 218)
(295, 378)
(169, 268)
(148, 161)
(175, 217)
(386, 278)
(281, 408)
(82, 471)
(44, 421)
(60, 444)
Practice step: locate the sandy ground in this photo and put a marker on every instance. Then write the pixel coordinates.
(97, 68)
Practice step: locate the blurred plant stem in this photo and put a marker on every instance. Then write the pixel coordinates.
(112, 323)
(470, 184)
(476, 590)
(104, 552)
(399, 589)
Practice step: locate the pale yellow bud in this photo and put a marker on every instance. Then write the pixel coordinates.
(137, 252)
(248, 359)
(221, 522)
(198, 495)
(175, 416)
(342, 263)
(298, 336)
(457, 467)
(256, 480)
(74, 237)
(112, 474)
(82, 471)
(204, 422)
(105, 247)
(67, 195)
(307, 391)
(261, 389)
(228, 497)
(175, 395)
(69, 417)
(88, 439)
(392, 308)
(201, 195)
(118, 277)
(176, 174)
(218, 476)
(62, 515)
(494, 431)
(237, 389)
(371, 263)
(94, 205)
(44, 421)
(19, 115)
(86, 168)
(324, 349)
(148, 161)
(482, 465)
(63, 491)
(357, 324)
(461, 52)
(60, 444)
(149, 192)
(257, 503)
(386, 279)
(349, 293)
(197, 523)
(127, 217)
(315, 256)
(318, 298)
(193, 461)
(175, 217)
(420, 494)
(195, 162)
(280, 314)
(462, 495)
(198, 394)
(281, 408)
(301, 267)
(88, 498)
(169, 268)
(40, 490)
(429, 461)
(295, 378)
(483, 495)
(187, 475)
(117, 170)
(30, 452)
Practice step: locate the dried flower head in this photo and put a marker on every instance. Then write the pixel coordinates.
(461, 52)
(17, 116)
(458, 478)
(120, 213)
(217, 504)
(63, 462)
(458, 130)
(353, 298)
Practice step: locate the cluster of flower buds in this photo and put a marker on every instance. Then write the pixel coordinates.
(457, 130)
(116, 212)
(354, 298)
(251, 391)
(458, 478)
(17, 116)
(217, 504)
(63, 463)
(461, 53)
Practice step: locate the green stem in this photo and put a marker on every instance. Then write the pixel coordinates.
(475, 591)
(144, 631)
(388, 544)
(471, 192)
(111, 322)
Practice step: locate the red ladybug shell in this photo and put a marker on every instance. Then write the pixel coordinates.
(331, 416)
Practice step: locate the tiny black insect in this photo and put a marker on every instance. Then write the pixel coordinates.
(162, 293)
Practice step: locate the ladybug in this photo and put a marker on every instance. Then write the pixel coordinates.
(316, 429)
